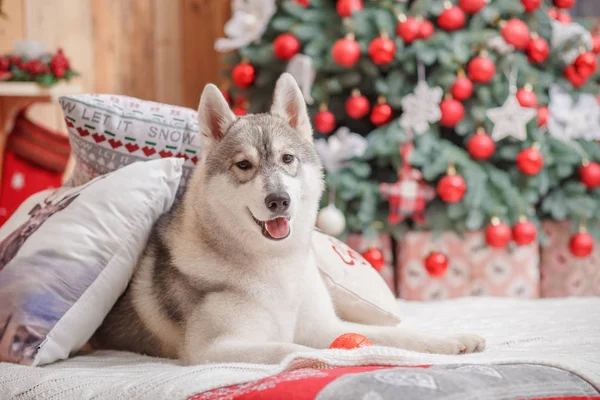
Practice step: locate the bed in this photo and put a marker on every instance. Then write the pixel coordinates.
(537, 349)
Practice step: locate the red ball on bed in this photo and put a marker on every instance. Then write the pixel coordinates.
(350, 341)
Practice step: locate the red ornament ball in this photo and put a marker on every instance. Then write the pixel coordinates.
(581, 244)
(452, 188)
(303, 3)
(498, 235)
(239, 111)
(516, 32)
(243, 75)
(375, 258)
(572, 76)
(240, 100)
(452, 112)
(357, 106)
(586, 64)
(345, 8)
(462, 88)
(542, 115)
(527, 98)
(531, 5)
(524, 233)
(596, 44)
(530, 161)
(452, 19)
(481, 69)
(481, 146)
(346, 52)
(436, 264)
(564, 3)
(350, 341)
(590, 175)
(286, 46)
(381, 114)
(472, 6)
(382, 50)
(538, 50)
(426, 30)
(564, 18)
(409, 29)
(324, 122)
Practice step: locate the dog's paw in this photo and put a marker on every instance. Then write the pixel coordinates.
(456, 344)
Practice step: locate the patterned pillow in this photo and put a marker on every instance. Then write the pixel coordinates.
(67, 254)
(108, 132)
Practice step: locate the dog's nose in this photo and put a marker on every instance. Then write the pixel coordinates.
(278, 202)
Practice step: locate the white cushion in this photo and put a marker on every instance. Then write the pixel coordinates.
(63, 267)
(359, 293)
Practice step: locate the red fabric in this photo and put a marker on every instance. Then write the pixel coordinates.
(567, 398)
(38, 145)
(20, 179)
(301, 384)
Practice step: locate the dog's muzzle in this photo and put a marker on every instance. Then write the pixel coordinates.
(274, 229)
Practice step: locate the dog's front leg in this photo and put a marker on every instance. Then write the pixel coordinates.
(242, 349)
(318, 326)
(226, 329)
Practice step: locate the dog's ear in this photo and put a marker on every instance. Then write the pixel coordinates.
(289, 104)
(214, 114)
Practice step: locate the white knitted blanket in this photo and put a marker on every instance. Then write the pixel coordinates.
(564, 333)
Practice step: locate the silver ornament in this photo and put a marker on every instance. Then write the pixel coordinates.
(339, 148)
(421, 108)
(573, 120)
(511, 119)
(248, 23)
(571, 36)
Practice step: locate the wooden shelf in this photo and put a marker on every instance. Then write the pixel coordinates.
(32, 89)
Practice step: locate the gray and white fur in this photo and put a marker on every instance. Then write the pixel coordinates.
(217, 282)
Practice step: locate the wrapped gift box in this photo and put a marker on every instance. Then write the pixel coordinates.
(474, 268)
(562, 274)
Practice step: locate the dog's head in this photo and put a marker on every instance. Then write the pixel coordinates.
(260, 175)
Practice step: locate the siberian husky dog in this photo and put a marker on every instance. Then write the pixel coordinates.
(228, 274)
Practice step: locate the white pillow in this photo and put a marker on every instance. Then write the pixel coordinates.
(67, 255)
(358, 291)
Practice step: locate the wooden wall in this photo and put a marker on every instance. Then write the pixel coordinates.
(159, 50)
(202, 23)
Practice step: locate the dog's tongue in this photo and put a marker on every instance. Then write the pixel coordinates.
(278, 228)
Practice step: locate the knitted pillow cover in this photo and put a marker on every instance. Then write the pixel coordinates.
(67, 254)
(108, 132)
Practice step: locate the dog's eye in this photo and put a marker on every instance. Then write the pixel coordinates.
(244, 165)
(287, 158)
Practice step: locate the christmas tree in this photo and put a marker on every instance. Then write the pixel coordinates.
(436, 115)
